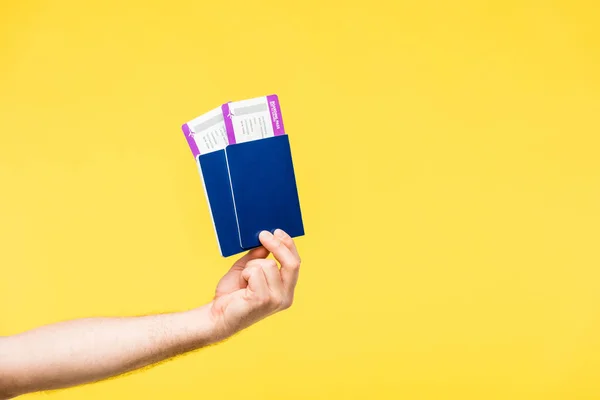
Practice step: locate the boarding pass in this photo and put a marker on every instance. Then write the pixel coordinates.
(234, 122)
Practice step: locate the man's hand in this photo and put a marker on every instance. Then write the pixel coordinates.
(86, 350)
(255, 287)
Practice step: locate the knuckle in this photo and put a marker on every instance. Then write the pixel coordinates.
(287, 303)
(253, 263)
(276, 301)
(249, 272)
(269, 264)
(263, 300)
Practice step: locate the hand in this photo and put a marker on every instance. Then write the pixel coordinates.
(86, 350)
(255, 287)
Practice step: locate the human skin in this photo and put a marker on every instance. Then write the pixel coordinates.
(86, 350)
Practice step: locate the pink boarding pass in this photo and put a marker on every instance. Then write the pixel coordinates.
(206, 133)
(253, 119)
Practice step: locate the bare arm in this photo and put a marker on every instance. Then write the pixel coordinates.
(87, 350)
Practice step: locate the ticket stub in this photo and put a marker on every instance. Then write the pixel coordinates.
(253, 119)
(206, 133)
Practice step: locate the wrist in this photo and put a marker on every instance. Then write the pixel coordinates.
(206, 326)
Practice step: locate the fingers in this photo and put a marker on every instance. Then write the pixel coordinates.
(259, 252)
(283, 249)
(271, 273)
(233, 280)
(265, 284)
(255, 276)
(288, 241)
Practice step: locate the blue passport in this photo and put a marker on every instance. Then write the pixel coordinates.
(251, 187)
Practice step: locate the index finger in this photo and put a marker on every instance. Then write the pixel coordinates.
(289, 259)
(288, 241)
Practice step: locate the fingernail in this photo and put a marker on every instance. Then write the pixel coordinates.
(279, 233)
(266, 234)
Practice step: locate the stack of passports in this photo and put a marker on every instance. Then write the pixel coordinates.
(250, 184)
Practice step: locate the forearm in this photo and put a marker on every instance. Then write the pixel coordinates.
(86, 350)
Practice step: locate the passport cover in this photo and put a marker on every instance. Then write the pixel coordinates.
(251, 187)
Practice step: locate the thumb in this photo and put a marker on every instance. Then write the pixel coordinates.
(259, 252)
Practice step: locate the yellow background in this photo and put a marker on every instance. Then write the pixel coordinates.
(447, 162)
